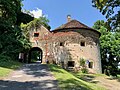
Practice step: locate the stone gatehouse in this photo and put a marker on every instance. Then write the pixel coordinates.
(67, 44)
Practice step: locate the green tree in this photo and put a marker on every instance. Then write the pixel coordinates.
(109, 46)
(111, 9)
(35, 24)
(12, 40)
(99, 24)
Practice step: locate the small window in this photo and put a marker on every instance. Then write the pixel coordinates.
(61, 44)
(82, 43)
(90, 65)
(71, 63)
(36, 34)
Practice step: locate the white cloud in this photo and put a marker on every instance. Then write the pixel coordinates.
(37, 13)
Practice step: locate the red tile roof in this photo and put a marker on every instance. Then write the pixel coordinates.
(74, 24)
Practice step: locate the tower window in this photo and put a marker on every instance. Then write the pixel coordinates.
(82, 43)
(61, 44)
(71, 63)
(90, 65)
(36, 34)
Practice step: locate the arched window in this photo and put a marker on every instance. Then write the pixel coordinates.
(90, 65)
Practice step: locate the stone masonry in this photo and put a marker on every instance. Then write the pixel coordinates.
(67, 44)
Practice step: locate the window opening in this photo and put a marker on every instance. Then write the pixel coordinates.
(61, 44)
(90, 65)
(71, 63)
(82, 43)
(36, 34)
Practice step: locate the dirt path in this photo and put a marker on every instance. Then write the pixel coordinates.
(30, 77)
(107, 82)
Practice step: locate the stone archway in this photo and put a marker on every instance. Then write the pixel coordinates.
(38, 57)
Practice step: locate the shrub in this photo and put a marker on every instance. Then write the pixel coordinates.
(4, 58)
(84, 68)
(82, 62)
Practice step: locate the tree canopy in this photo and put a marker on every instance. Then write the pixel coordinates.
(12, 40)
(109, 46)
(111, 10)
(35, 24)
(39, 21)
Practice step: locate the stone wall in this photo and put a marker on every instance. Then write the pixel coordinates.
(64, 46)
(41, 41)
(73, 51)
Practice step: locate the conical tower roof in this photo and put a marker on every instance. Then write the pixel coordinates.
(74, 24)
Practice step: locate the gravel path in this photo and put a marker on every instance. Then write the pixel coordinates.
(34, 76)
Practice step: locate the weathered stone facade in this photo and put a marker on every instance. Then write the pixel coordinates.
(67, 44)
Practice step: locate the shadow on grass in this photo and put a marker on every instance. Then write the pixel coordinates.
(72, 81)
(73, 84)
(114, 78)
(55, 68)
(86, 77)
(30, 85)
(118, 78)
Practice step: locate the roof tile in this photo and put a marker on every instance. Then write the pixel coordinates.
(73, 24)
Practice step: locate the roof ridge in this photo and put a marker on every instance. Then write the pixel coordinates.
(73, 24)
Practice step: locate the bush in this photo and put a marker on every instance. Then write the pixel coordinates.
(84, 70)
(4, 58)
(82, 63)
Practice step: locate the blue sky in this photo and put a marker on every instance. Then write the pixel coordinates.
(57, 11)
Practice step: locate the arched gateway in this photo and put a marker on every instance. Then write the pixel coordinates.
(35, 54)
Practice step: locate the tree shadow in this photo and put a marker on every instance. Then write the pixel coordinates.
(30, 85)
(118, 80)
(73, 84)
(36, 70)
(114, 78)
(87, 78)
(55, 68)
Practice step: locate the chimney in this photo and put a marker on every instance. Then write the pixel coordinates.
(68, 18)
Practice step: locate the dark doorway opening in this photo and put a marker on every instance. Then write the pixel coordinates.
(90, 65)
(35, 54)
(71, 63)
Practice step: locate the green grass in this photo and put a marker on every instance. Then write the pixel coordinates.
(7, 67)
(118, 77)
(68, 81)
(91, 76)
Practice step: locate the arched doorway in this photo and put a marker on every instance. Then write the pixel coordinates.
(35, 54)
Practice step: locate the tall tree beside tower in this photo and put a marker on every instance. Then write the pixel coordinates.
(111, 10)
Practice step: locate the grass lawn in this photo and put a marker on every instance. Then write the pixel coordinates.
(68, 81)
(7, 67)
(118, 77)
